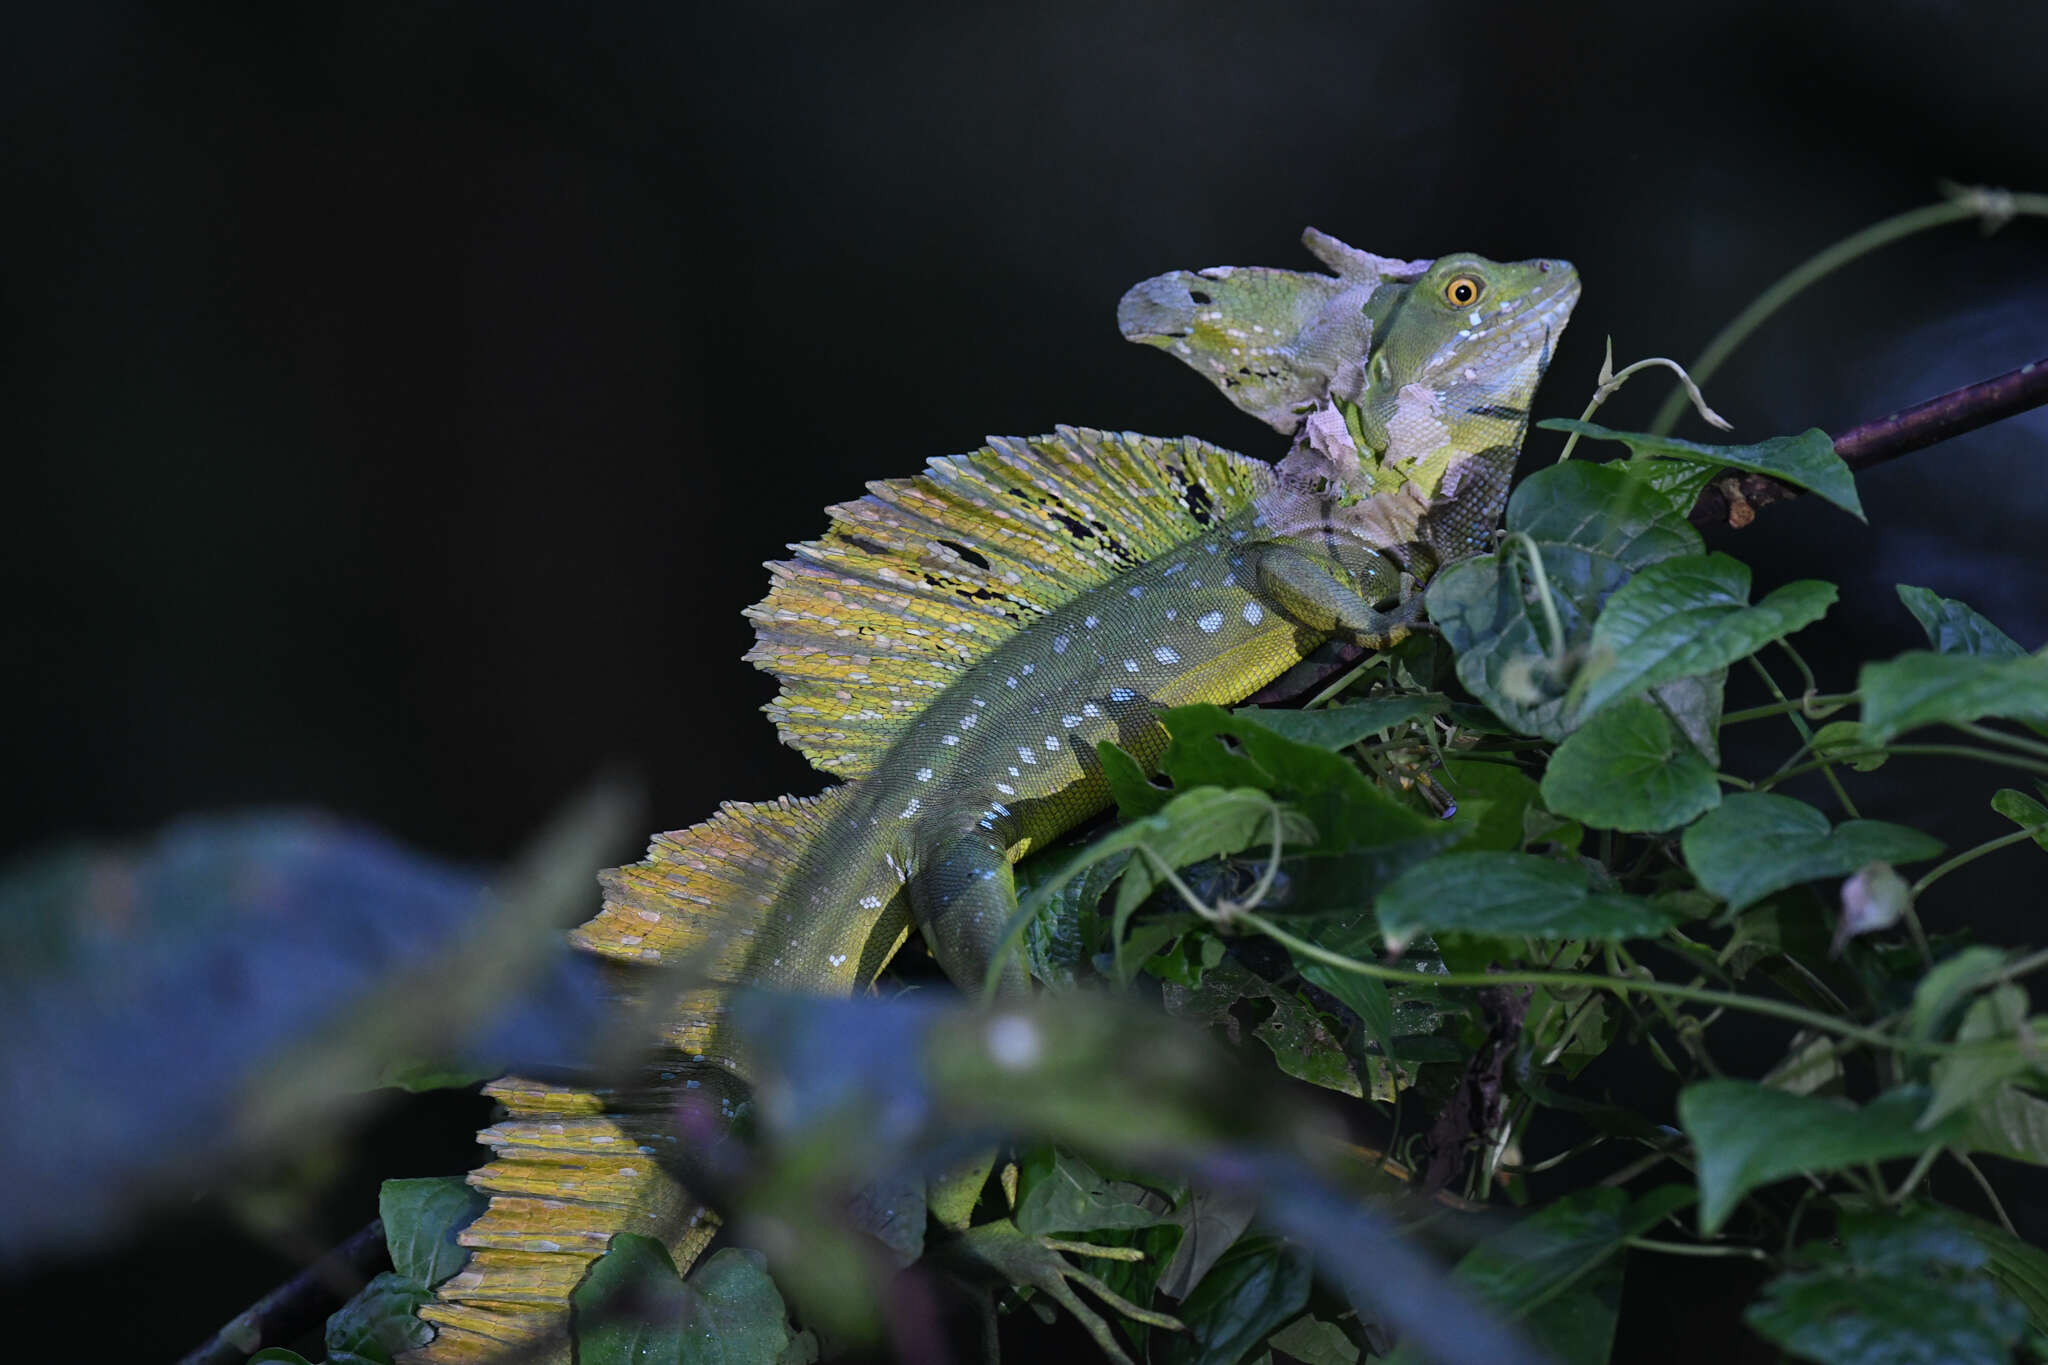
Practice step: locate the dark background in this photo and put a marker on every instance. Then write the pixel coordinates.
(399, 398)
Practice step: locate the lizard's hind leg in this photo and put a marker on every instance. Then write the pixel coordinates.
(962, 897)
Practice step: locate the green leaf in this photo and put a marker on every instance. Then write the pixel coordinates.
(1843, 740)
(1898, 1289)
(1510, 894)
(1071, 1197)
(1195, 824)
(629, 1308)
(1306, 1048)
(1260, 1283)
(1604, 509)
(418, 1075)
(1212, 747)
(1339, 727)
(1543, 1255)
(734, 1315)
(1626, 769)
(1759, 842)
(422, 1219)
(378, 1323)
(1592, 526)
(1577, 1327)
(1312, 1341)
(1491, 798)
(1944, 987)
(1954, 627)
(1746, 1136)
(2009, 1123)
(1364, 996)
(1963, 1080)
(2020, 1268)
(1807, 460)
(1212, 1220)
(2024, 811)
(1685, 616)
(1920, 688)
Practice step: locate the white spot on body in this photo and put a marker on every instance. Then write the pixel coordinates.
(1165, 655)
(1070, 721)
(1060, 643)
(1253, 613)
(1024, 754)
(1121, 694)
(967, 721)
(1092, 622)
(1210, 622)
(871, 902)
(1137, 590)
(1052, 743)
(949, 739)
(1476, 318)
(837, 959)
(1130, 665)
(924, 774)
(909, 810)
(1006, 789)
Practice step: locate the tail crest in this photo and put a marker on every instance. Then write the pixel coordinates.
(574, 1167)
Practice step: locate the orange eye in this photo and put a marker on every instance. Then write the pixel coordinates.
(1462, 291)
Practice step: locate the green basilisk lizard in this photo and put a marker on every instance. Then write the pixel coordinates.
(956, 645)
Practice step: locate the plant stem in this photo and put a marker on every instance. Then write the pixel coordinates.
(1695, 1249)
(297, 1306)
(1988, 206)
(1963, 1159)
(1985, 732)
(1749, 1003)
(1971, 855)
(1948, 750)
(1799, 723)
(1833, 701)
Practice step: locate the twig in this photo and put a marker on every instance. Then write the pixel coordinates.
(1733, 500)
(298, 1305)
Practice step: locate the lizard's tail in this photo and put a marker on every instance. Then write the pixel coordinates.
(573, 1167)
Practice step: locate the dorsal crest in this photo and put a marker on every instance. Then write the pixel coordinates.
(923, 577)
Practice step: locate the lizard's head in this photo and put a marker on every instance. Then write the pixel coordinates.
(1478, 333)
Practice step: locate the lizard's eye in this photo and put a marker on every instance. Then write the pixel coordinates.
(1462, 291)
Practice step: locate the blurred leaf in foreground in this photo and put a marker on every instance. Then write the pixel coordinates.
(221, 990)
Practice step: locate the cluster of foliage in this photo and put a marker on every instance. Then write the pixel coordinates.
(1477, 863)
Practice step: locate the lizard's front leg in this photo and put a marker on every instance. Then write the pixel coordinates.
(1366, 603)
